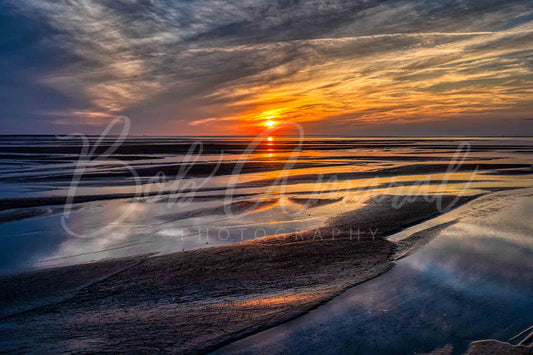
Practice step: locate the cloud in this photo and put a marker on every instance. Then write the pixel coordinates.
(203, 121)
(364, 61)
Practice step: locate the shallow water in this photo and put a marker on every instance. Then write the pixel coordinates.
(41, 167)
(475, 281)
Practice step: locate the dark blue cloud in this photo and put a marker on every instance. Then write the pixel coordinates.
(26, 52)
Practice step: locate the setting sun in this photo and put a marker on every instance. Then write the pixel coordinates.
(270, 123)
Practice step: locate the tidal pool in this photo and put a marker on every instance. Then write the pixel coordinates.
(474, 281)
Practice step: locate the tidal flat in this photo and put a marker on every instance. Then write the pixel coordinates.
(211, 260)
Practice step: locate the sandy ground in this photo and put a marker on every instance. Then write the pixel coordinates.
(196, 301)
(235, 208)
(490, 347)
(487, 347)
(398, 171)
(411, 244)
(314, 202)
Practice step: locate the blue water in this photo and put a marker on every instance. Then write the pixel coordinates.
(475, 281)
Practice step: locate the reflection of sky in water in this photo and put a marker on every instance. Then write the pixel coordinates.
(43, 239)
(473, 282)
(353, 160)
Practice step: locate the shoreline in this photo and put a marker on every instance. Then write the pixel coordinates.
(245, 287)
(404, 291)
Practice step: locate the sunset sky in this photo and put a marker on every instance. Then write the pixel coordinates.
(212, 67)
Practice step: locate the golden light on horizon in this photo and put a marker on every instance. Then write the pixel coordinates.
(270, 139)
(269, 118)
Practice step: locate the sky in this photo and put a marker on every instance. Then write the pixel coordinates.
(212, 67)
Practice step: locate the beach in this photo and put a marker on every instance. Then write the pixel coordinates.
(266, 177)
(469, 281)
(235, 290)
(244, 255)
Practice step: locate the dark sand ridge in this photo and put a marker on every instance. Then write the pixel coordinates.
(202, 146)
(18, 214)
(208, 148)
(415, 169)
(199, 300)
(52, 158)
(382, 158)
(25, 202)
(63, 158)
(23, 211)
(237, 207)
(408, 246)
(526, 171)
(200, 169)
(204, 169)
(14, 204)
(314, 202)
(216, 146)
(25, 165)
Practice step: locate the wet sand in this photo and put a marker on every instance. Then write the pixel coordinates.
(173, 171)
(472, 282)
(195, 301)
(181, 145)
(414, 169)
(489, 347)
(314, 202)
(238, 207)
(199, 300)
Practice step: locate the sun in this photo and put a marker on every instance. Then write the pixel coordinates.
(269, 118)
